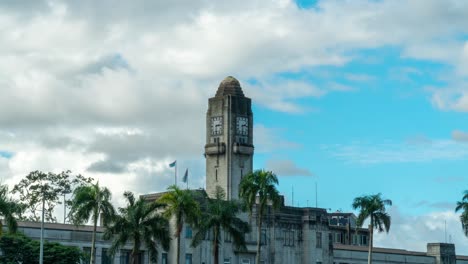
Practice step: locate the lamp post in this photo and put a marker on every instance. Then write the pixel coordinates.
(41, 251)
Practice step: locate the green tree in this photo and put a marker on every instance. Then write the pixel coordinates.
(38, 186)
(9, 210)
(181, 205)
(221, 215)
(463, 206)
(139, 222)
(258, 189)
(17, 248)
(372, 207)
(91, 201)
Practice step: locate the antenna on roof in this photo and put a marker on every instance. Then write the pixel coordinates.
(445, 222)
(316, 195)
(292, 194)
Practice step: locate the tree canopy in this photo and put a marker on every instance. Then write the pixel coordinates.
(258, 190)
(38, 185)
(9, 210)
(221, 215)
(463, 207)
(372, 207)
(139, 222)
(181, 205)
(17, 248)
(91, 201)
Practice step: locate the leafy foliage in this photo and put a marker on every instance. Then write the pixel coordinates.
(260, 185)
(372, 207)
(221, 215)
(17, 248)
(9, 209)
(49, 186)
(181, 205)
(463, 206)
(91, 201)
(139, 222)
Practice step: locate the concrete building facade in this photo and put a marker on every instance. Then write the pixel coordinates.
(229, 138)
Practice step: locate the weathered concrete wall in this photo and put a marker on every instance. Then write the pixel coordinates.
(360, 257)
(444, 253)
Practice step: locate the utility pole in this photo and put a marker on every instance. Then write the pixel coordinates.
(41, 251)
(292, 193)
(445, 230)
(316, 195)
(64, 209)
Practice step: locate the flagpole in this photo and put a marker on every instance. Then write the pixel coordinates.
(175, 174)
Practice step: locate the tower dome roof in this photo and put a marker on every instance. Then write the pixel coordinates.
(229, 86)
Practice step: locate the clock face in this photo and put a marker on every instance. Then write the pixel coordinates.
(242, 126)
(217, 125)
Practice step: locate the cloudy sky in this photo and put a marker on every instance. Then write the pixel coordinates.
(357, 96)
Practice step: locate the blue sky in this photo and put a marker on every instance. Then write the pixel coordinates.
(388, 109)
(357, 96)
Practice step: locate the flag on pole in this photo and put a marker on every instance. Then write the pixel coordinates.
(184, 179)
(172, 165)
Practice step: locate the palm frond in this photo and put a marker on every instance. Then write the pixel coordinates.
(373, 206)
(139, 222)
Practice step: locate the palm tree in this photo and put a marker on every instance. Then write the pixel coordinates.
(220, 215)
(140, 223)
(8, 209)
(372, 207)
(181, 205)
(261, 184)
(463, 206)
(90, 201)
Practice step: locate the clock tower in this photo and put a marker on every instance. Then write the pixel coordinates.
(229, 138)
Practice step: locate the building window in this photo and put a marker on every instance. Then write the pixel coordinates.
(263, 237)
(354, 237)
(188, 258)
(227, 261)
(288, 238)
(126, 257)
(338, 238)
(363, 240)
(164, 258)
(318, 242)
(209, 235)
(227, 237)
(188, 232)
(87, 253)
(106, 257)
(245, 261)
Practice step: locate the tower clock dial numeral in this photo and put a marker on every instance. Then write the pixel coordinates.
(217, 125)
(242, 126)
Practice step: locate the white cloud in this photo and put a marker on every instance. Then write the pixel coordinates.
(283, 167)
(396, 152)
(359, 77)
(271, 139)
(461, 136)
(451, 98)
(280, 94)
(419, 230)
(142, 72)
